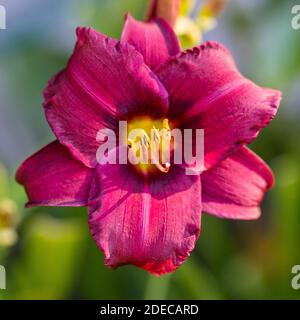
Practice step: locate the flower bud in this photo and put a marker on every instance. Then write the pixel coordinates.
(166, 9)
(8, 222)
(8, 213)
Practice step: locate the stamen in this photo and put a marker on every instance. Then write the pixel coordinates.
(163, 168)
(145, 146)
(152, 148)
(166, 124)
(156, 136)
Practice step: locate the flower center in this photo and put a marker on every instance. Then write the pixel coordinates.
(149, 144)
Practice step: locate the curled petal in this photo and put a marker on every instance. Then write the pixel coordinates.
(155, 40)
(104, 81)
(52, 177)
(207, 92)
(235, 187)
(150, 224)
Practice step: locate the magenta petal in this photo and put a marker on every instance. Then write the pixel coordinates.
(207, 92)
(151, 225)
(155, 40)
(105, 81)
(52, 177)
(235, 188)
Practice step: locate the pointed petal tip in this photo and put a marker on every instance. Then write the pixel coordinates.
(155, 39)
(159, 268)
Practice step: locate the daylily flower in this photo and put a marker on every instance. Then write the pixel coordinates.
(150, 220)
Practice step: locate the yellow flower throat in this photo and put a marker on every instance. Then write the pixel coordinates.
(149, 143)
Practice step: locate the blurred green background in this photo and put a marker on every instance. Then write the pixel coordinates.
(48, 252)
